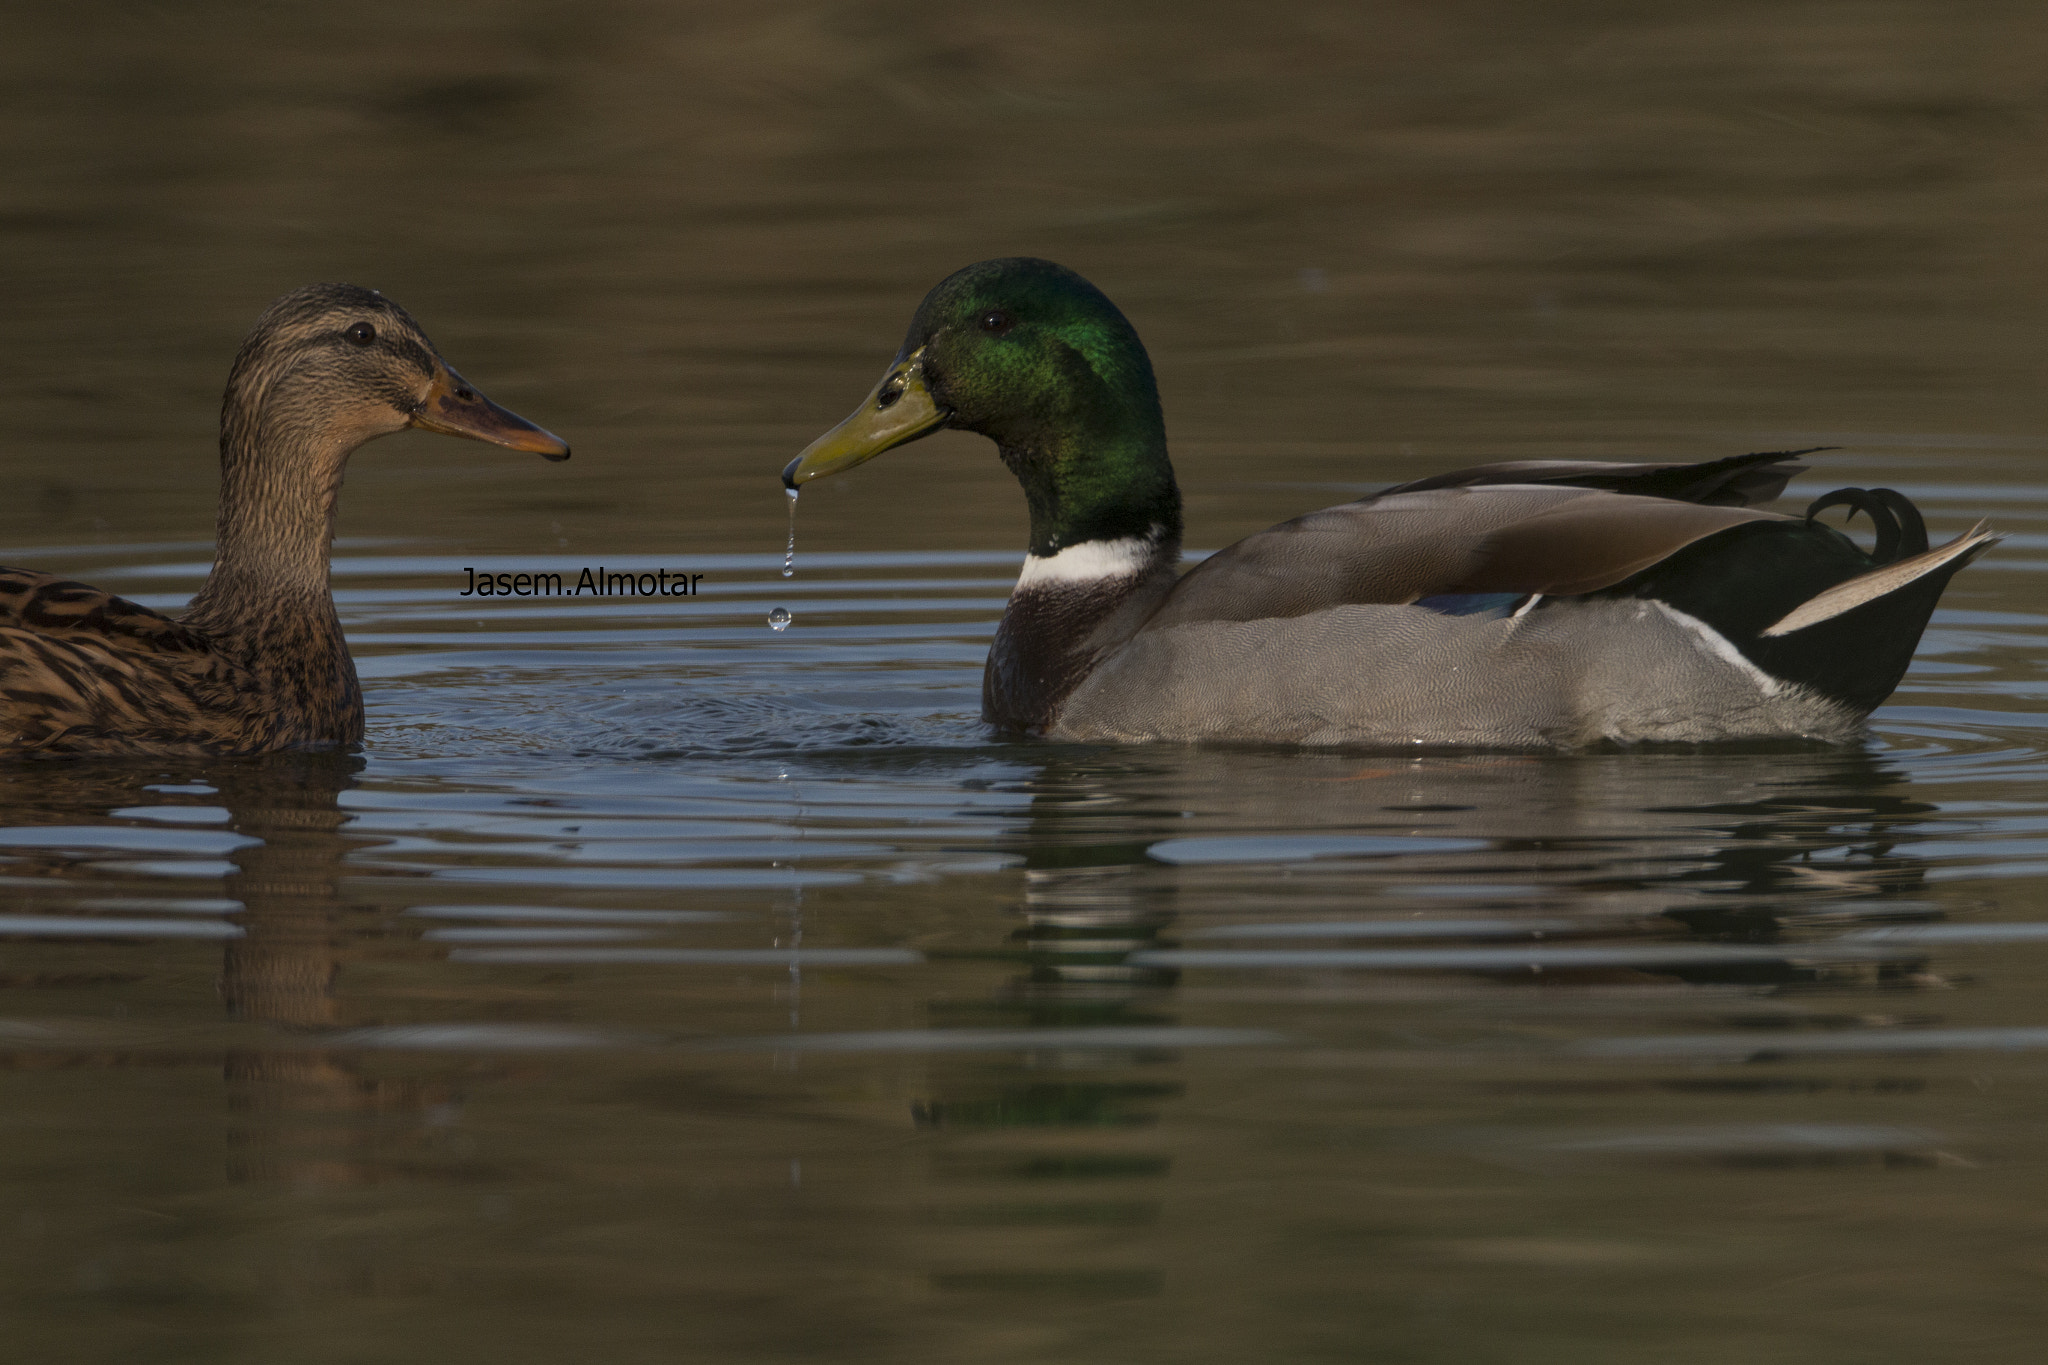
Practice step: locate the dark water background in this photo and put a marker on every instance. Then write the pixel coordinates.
(655, 987)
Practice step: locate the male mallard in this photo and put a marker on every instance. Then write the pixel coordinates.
(1530, 604)
(257, 663)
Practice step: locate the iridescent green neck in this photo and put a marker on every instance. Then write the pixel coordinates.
(1088, 484)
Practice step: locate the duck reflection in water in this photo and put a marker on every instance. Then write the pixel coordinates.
(1065, 1137)
(1619, 847)
(304, 1115)
(1735, 847)
(1127, 865)
(1609, 852)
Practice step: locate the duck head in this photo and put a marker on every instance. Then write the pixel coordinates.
(331, 366)
(1032, 356)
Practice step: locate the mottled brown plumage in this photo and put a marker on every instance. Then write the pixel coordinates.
(257, 663)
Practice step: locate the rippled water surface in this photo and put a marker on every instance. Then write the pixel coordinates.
(656, 986)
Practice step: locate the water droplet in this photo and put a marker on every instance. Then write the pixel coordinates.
(789, 555)
(779, 619)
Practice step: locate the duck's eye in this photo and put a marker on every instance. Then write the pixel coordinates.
(361, 333)
(997, 321)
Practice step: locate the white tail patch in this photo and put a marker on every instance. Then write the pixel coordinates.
(1880, 582)
(1091, 561)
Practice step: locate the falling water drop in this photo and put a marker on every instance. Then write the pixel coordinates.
(779, 619)
(789, 555)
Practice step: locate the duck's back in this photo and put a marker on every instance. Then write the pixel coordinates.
(57, 607)
(82, 670)
(1401, 546)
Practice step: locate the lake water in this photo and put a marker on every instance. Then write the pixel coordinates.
(655, 986)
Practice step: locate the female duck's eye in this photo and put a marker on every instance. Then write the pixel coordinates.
(361, 333)
(996, 320)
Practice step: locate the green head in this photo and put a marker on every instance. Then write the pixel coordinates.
(1032, 356)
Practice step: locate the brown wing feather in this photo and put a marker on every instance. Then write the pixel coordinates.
(82, 670)
(1593, 543)
(1398, 547)
(45, 604)
(81, 692)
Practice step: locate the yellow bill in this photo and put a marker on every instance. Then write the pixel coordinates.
(900, 409)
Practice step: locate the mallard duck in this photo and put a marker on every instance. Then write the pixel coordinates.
(257, 663)
(1531, 604)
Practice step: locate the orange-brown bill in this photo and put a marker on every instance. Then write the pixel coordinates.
(454, 408)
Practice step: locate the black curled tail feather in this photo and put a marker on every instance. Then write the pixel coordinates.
(1912, 526)
(1901, 530)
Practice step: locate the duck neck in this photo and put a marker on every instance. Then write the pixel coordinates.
(1105, 546)
(280, 480)
(1103, 483)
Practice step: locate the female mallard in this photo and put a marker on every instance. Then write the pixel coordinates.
(1530, 604)
(257, 663)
